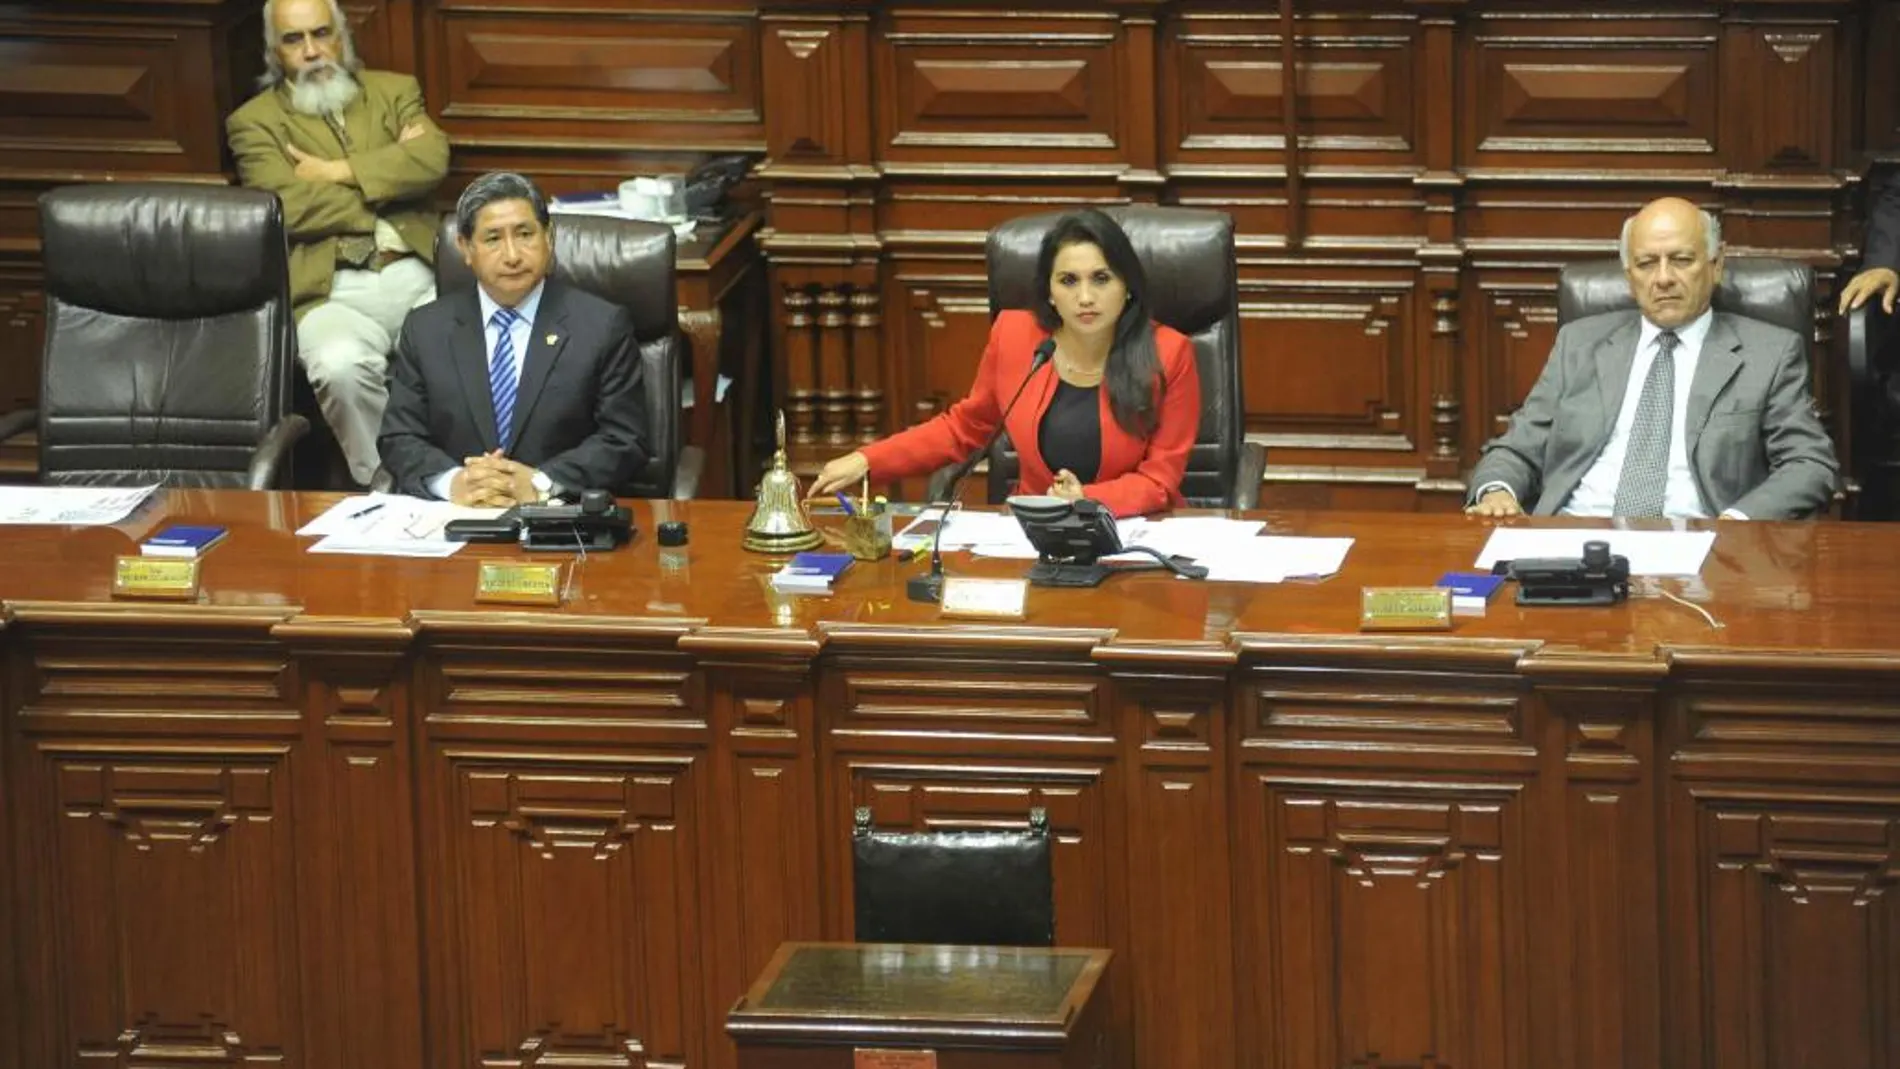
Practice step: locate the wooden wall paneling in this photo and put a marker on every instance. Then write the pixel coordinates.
(768, 875)
(1597, 937)
(569, 91)
(1382, 846)
(359, 904)
(1546, 91)
(1782, 848)
(1515, 313)
(1176, 741)
(566, 819)
(159, 917)
(385, 34)
(1778, 77)
(1879, 88)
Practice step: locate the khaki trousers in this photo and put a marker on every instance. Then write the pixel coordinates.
(344, 344)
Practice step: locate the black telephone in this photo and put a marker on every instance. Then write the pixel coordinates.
(709, 182)
(594, 524)
(1596, 578)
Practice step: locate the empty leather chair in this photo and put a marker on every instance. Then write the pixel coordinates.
(1188, 256)
(975, 888)
(169, 338)
(630, 263)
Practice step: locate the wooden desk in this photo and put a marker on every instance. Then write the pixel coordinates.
(341, 814)
(891, 1006)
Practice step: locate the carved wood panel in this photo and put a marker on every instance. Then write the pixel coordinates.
(1384, 921)
(1223, 80)
(571, 933)
(1636, 91)
(1518, 329)
(1793, 951)
(583, 81)
(1028, 88)
(1365, 399)
(165, 906)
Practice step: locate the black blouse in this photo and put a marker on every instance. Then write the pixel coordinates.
(1071, 432)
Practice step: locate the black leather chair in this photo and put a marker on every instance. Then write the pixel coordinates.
(972, 888)
(1869, 340)
(169, 338)
(1760, 287)
(631, 264)
(1188, 256)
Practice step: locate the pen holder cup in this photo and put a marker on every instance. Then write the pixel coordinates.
(868, 537)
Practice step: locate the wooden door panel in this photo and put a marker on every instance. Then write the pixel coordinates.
(571, 930)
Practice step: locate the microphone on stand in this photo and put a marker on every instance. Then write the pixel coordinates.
(929, 586)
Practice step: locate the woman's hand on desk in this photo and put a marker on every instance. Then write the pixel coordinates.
(1067, 486)
(841, 473)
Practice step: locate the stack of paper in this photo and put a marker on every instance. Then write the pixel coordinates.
(390, 525)
(70, 506)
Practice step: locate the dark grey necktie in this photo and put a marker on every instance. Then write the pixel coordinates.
(1639, 492)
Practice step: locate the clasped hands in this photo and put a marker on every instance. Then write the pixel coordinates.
(312, 168)
(493, 481)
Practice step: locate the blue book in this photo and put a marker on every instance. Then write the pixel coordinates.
(1470, 590)
(182, 540)
(811, 573)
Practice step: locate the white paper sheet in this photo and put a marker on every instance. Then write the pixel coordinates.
(1649, 552)
(391, 525)
(71, 506)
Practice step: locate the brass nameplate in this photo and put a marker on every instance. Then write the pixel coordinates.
(1404, 608)
(518, 583)
(155, 577)
(991, 598)
(866, 1058)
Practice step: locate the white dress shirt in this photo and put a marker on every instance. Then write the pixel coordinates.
(521, 333)
(1596, 494)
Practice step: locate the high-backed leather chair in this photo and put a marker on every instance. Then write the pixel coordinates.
(630, 263)
(1759, 287)
(1188, 256)
(1869, 340)
(169, 338)
(974, 888)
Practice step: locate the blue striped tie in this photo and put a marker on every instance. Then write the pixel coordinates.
(501, 372)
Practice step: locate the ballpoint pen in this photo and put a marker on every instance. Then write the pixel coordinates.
(360, 513)
(845, 500)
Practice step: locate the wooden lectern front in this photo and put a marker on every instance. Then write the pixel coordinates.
(916, 1006)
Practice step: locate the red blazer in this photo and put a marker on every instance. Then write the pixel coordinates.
(1136, 475)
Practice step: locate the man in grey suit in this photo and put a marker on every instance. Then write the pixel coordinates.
(1678, 410)
(520, 389)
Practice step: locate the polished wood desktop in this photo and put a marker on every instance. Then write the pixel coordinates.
(337, 813)
(923, 1006)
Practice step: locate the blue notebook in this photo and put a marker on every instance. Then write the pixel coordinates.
(811, 573)
(1470, 590)
(182, 540)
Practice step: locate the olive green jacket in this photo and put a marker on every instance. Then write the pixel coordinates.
(394, 178)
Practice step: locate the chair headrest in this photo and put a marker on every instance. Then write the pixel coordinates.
(164, 250)
(626, 261)
(1187, 253)
(1760, 287)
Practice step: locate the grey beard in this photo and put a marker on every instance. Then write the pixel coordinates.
(323, 96)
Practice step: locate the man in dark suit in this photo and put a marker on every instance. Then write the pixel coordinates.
(1880, 261)
(522, 389)
(1674, 410)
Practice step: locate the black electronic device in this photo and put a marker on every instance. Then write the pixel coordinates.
(708, 184)
(1596, 578)
(929, 586)
(1071, 538)
(503, 528)
(596, 523)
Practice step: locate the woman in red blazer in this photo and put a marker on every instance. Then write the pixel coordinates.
(1111, 417)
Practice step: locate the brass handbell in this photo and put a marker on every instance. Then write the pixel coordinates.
(778, 523)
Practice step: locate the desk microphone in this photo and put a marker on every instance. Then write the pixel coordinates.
(929, 586)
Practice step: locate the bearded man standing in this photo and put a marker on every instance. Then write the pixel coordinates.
(354, 157)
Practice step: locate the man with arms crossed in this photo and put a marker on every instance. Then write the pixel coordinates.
(353, 156)
(1676, 410)
(518, 390)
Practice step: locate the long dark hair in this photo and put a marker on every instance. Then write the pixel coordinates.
(1133, 364)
